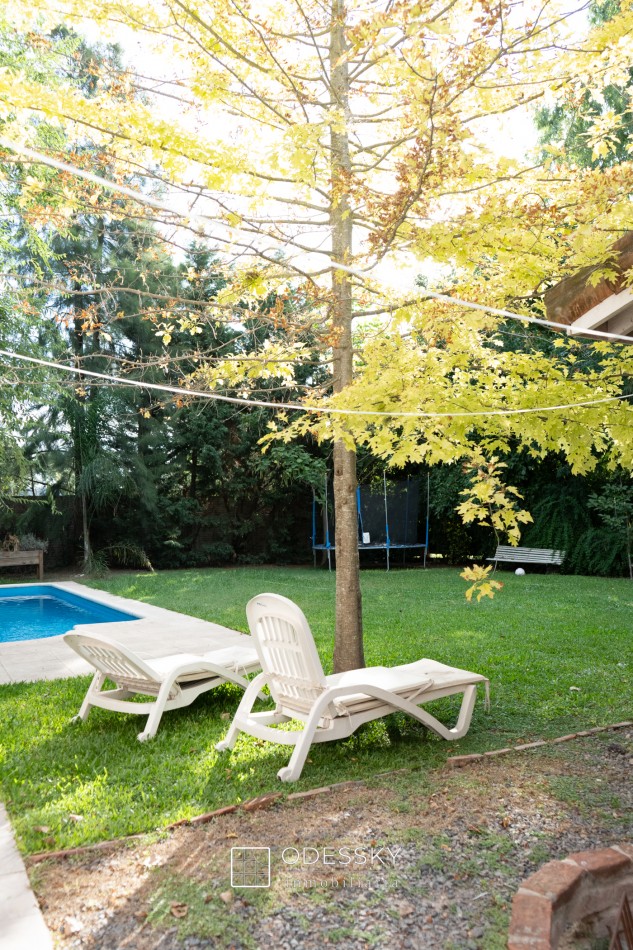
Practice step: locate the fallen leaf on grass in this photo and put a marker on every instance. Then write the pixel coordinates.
(177, 909)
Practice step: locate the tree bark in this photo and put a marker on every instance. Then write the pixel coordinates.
(78, 434)
(348, 645)
(85, 530)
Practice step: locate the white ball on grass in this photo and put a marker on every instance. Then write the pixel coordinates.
(519, 572)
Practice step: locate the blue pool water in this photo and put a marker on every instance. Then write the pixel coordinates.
(35, 611)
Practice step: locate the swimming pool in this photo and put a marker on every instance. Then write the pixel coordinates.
(38, 611)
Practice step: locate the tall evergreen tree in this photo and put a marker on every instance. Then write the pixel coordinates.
(595, 129)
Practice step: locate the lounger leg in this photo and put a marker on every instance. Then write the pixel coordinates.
(158, 708)
(247, 702)
(229, 740)
(292, 771)
(305, 738)
(97, 682)
(462, 725)
(465, 713)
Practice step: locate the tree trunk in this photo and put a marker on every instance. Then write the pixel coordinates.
(77, 339)
(85, 529)
(193, 479)
(348, 646)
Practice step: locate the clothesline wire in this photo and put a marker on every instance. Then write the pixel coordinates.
(284, 407)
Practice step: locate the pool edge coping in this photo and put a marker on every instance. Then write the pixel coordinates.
(48, 658)
(104, 598)
(24, 924)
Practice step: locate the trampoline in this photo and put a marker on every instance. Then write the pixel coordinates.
(387, 519)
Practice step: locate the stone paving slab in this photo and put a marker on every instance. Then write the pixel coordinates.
(158, 632)
(22, 925)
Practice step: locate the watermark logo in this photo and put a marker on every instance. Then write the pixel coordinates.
(334, 867)
(250, 867)
(341, 857)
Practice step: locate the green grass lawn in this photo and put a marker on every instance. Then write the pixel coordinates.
(557, 651)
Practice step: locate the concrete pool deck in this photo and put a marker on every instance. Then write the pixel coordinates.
(158, 632)
(23, 926)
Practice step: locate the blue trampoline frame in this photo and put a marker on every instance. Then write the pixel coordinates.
(387, 546)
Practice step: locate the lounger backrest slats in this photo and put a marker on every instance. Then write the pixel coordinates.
(286, 651)
(118, 664)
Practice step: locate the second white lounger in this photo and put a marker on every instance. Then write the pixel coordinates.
(174, 680)
(333, 707)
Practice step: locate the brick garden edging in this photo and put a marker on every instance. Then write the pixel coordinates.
(457, 761)
(562, 893)
(252, 804)
(265, 801)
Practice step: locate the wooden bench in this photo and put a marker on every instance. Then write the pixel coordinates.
(506, 554)
(19, 558)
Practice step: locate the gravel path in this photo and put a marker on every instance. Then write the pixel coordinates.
(443, 855)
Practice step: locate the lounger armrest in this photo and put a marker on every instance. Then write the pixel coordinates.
(201, 666)
(388, 697)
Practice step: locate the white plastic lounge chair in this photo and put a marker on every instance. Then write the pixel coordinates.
(174, 680)
(333, 707)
